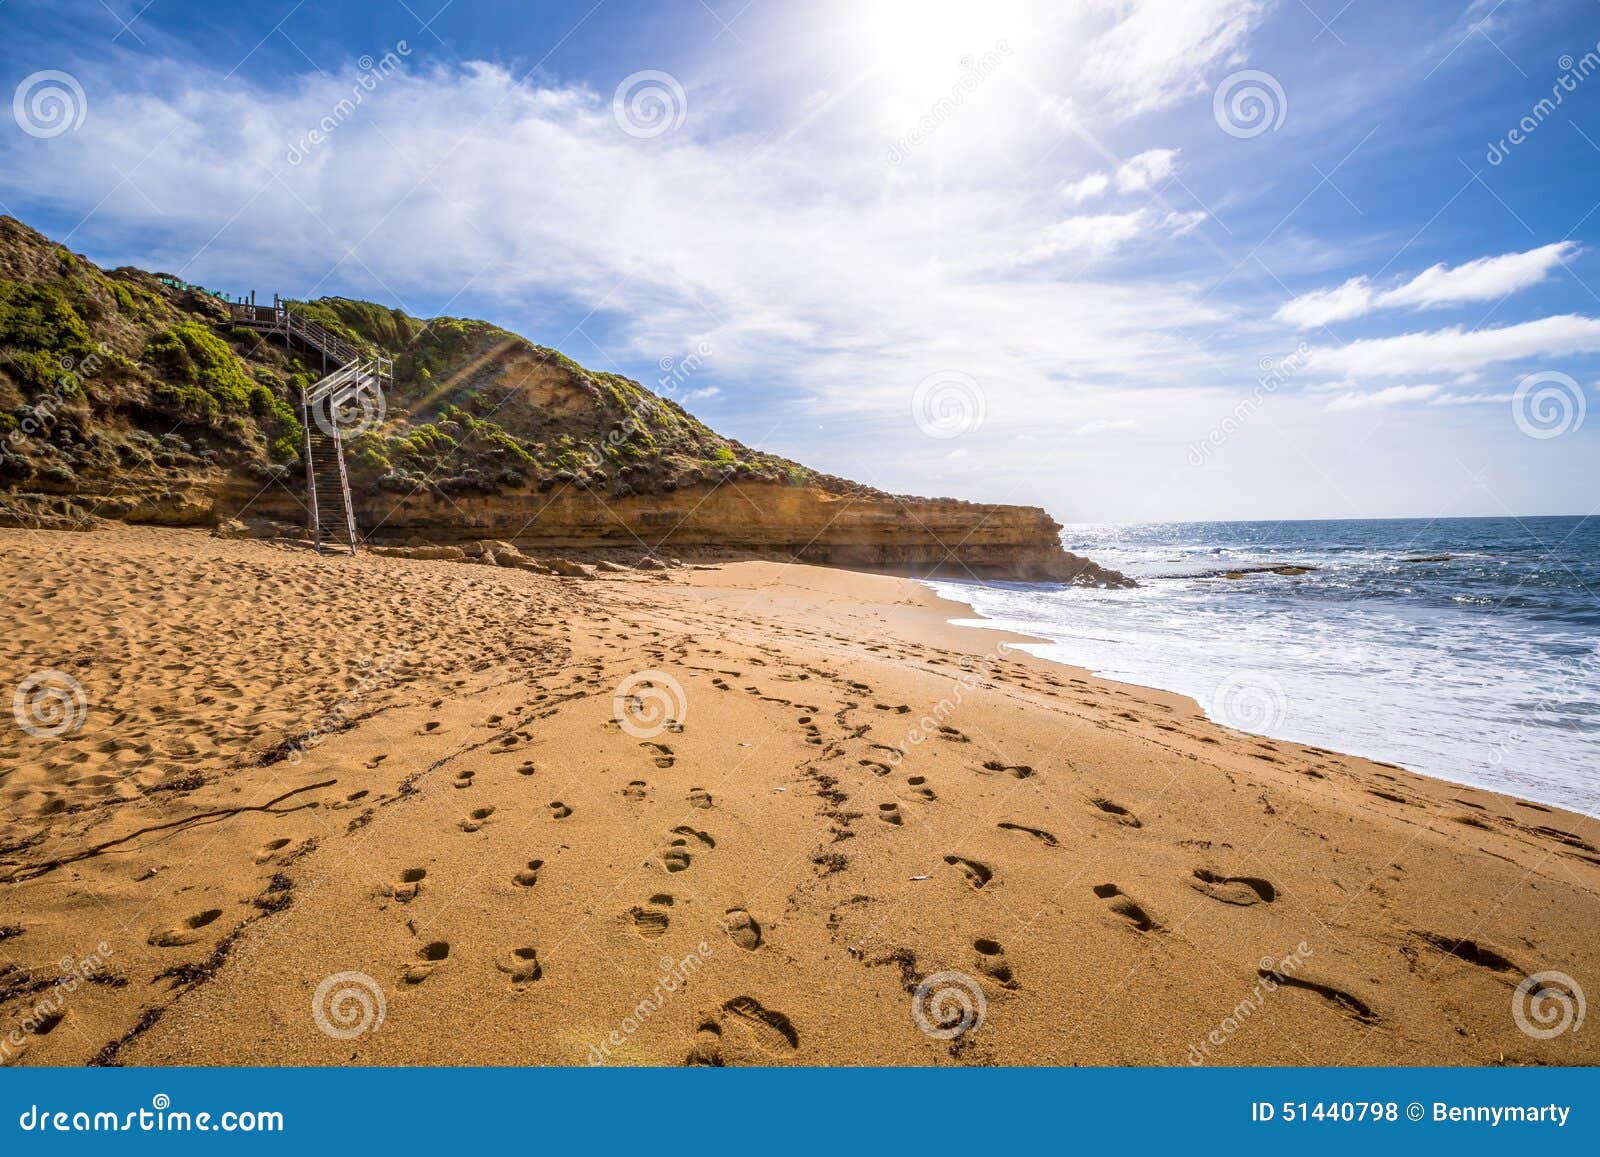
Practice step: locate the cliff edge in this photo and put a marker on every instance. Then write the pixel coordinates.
(127, 394)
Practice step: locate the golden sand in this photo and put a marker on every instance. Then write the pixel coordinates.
(302, 789)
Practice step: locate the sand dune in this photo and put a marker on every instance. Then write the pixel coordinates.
(731, 816)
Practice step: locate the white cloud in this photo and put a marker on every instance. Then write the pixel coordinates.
(465, 181)
(1102, 234)
(1457, 350)
(1323, 306)
(1485, 279)
(1106, 425)
(1086, 188)
(1376, 399)
(1481, 398)
(1147, 170)
(1093, 235)
(1160, 51)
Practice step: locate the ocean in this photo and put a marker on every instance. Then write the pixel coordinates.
(1467, 649)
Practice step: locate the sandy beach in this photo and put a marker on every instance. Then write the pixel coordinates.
(326, 810)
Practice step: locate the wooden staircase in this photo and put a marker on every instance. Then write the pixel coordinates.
(326, 409)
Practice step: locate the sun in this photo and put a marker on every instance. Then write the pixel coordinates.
(916, 46)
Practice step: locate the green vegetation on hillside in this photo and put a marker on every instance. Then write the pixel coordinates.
(162, 381)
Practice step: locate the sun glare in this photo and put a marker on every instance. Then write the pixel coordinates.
(918, 45)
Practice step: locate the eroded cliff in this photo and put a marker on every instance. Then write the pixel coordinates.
(125, 394)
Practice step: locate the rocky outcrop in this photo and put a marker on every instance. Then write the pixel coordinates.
(749, 520)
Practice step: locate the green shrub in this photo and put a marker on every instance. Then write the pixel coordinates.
(200, 375)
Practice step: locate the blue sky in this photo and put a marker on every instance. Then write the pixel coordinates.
(1129, 261)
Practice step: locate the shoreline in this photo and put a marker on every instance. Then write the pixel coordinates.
(1342, 740)
(978, 622)
(805, 788)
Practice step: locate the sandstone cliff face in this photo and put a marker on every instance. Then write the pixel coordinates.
(127, 395)
(735, 520)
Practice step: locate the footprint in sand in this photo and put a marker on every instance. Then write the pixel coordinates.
(476, 819)
(769, 1029)
(742, 928)
(1241, 890)
(1015, 770)
(409, 884)
(699, 797)
(559, 810)
(648, 919)
(430, 956)
(270, 849)
(704, 837)
(874, 766)
(707, 1051)
(919, 787)
(675, 856)
(991, 960)
(1126, 907)
(185, 933)
(464, 779)
(1470, 951)
(636, 790)
(1115, 811)
(1039, 834)
(528, 876)
(526, 768)
(952, 735)
(522, 965)
(428, 728)
(664, 756)
(889, 813)
(1347, 1003)
(977, 874)
(376, 759)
